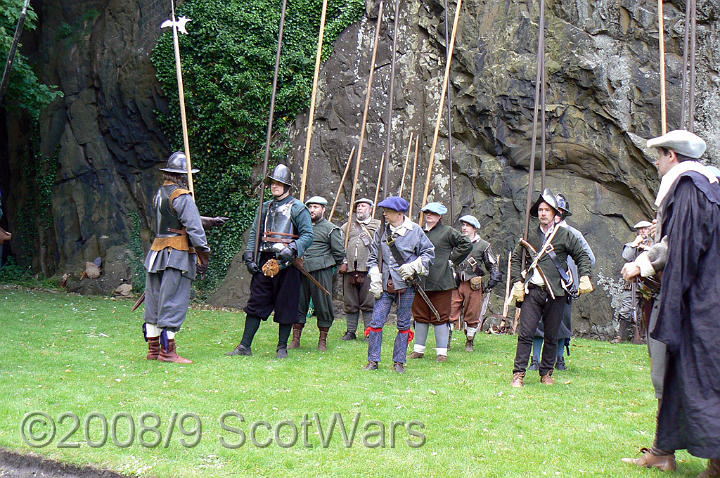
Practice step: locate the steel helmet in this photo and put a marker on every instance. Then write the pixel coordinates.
(177, 163)
(281, 174)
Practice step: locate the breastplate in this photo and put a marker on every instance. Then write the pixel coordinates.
(278, 225)
(165, 215)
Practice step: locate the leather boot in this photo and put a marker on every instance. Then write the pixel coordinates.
(470, 345)
(648, 460)
(153, 348)
(297, 333)
(712, 470)
(171, 355)
(517, 380)
(322, 342)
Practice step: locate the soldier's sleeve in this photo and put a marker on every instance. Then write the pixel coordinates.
(585, 245)
(337, 246)
(462, 247)
(579, 255)
(628, 252)
(516, 269)
(189, 216)
(425, 249)
(492, 265)
(373, 249)
(303, 222)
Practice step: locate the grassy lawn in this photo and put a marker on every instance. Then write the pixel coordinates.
(85, 357)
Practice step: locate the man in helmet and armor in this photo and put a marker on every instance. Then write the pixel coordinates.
(324, 254)
(539, 287)
(179, 252)
(467, 299)
(286, 231)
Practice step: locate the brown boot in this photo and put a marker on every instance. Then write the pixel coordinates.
(470, 345)
(416, 355)
(547, 379)
(153, 348)
(712, 470)
(297, 333)
(517, 381)
(648, 460)
(322, 342)
(171, 355)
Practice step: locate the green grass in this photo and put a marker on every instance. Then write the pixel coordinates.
(68, 353)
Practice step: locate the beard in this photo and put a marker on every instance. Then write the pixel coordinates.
(362, 216)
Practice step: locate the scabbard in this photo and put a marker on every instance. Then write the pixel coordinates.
(298, 265)
(139, 302)
(419, 288)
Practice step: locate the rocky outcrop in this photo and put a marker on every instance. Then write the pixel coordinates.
(603, 98)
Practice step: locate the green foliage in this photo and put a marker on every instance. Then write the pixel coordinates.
(12, 273)
(25, 91)
(228, 60)
(138, 279)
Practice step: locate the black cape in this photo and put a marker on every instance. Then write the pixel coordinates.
(689, 319)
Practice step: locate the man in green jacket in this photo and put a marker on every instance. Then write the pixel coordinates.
(324, 254)
(539, 286)
(451, 247)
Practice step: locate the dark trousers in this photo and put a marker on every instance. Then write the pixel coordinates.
(539, 305)
(324, 309)
(280, 293)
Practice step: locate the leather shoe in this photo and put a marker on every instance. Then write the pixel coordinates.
(399, 367)
(712, 470)
(547, 379)
(517, 380)
(371, 366)
(240, 350)
(648, 460)
(416, 355)
(560, 364)
(349, 336)
(281, 353)
(442, 358)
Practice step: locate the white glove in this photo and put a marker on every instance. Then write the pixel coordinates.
(411, 268)
(518, 291)
(585, 286)
(376, 288)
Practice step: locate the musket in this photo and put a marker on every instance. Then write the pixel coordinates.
(415, 281)
(297, 264)
(365, 116)
(268, 139)
(179, 24)
(313, 97)
(431, 160)
(13, 49)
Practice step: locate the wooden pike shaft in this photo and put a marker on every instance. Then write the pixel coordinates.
(342, 181)
(661, 38)
(311, 117)
(431, 160)
(379, 180)
(181, 98)
(364, 119)
(268, 138)
(391, 97)
(412, 185)
(407, 160)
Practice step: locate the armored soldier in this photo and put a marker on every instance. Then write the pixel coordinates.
(467, 299)
(285, 234)
(324, 254)
(356, 286)
(632, 299)
(179, 251)
(394, 279)
(540, 286)
(451, 247)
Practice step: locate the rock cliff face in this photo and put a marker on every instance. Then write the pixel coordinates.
(603, 97)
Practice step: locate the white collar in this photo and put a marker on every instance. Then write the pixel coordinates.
(403, 228)
(678, 170)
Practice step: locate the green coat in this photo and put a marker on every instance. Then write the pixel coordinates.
(327, 248)
(450, 245)
(565, 244)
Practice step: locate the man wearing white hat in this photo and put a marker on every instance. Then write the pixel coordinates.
(356, 286)
(326, 252)
(451, 247)
(629, 309)
(688, 254)
(467, 299)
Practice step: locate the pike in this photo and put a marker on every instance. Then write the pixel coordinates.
(268, 138)
(407, 160)
(179, 25)
(13, 49)
(386, 158)
(431, 160)
(342, 182)
(368, 91)
(311, 116)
